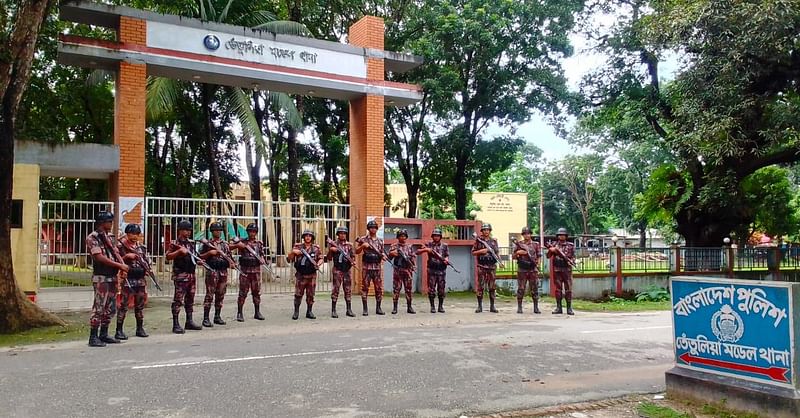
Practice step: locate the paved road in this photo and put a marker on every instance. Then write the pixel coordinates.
(405, 365)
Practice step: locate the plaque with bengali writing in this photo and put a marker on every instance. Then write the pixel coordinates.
(736, 328)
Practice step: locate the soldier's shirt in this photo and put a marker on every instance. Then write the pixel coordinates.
(442, 249)
(338, 257)
(408, 251)
(376, 243)
(184, 260)
(136, 269)
(569, 250)
(247, 261)
(314, 251)
(220, 245)
(533, 248)
(488, 260)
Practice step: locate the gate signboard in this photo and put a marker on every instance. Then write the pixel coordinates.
(736, 328)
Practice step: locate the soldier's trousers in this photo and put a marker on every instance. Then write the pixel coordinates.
(485, 280)
(563, 278)
(216, 285)
(436, 282)
(250, 282)
(376, 277)
(307, 285)
(184, 295)
(139, 294)
(342, 279)
(527, 279)
(105, 294)
(401, 279)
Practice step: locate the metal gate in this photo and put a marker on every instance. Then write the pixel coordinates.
(63, 227)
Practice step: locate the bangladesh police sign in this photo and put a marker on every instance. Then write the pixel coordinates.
(736, 328)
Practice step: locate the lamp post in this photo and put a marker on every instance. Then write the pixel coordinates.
(728, 251)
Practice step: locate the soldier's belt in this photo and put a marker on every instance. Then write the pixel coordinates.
(101, 278)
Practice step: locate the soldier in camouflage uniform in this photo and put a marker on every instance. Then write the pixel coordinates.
(182, 252)
(133, 255)
(563, 254)
(307, 258)
(526, 252)
(252, 255)
(437, 268)
(487, 266)
(217, 277)
(372, 270)
(404, 262)
(341, 270)
(106, 264)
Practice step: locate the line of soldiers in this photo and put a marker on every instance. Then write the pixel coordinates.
(127, 260)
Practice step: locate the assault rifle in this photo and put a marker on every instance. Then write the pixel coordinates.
(115, 254)
(446, 262)
(552, 246)
(329, 241)
(491, 250)
(225, 255)
(143, 261)
(255, 254)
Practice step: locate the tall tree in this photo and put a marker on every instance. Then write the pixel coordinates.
(20, 23)
(578, 174)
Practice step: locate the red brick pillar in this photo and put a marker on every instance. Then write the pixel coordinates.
(127, 185)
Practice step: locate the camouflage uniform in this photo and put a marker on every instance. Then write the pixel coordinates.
(306, 273)
(137, 281)
(183, 275)
(528, 272)
(342, 272)
(217, 278)
(403, 270)
(486, 274)
(562, 272)
(371, 269)
(437, 269)
(104, 281)
(251, 267)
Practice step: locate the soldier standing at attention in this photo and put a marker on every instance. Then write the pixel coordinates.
(106, 264)
(437, 268)
(341, 270)
(527, 254)
(181, 252)
(217, 277)
(487, 266)
(372, 247)
(307, 258)
(563, 253)
(132, 254)
(252, 254)
(404, 262)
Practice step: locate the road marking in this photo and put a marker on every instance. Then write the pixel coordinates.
(598, 331)
(273, 356)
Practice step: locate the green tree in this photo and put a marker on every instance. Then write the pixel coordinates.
(772, 198)
(578, 175)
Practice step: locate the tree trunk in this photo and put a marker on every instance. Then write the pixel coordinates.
(17, 313)
(215, 185)
(412, 190)
(460, 187)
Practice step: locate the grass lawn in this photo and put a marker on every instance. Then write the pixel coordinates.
(651, 410)
(77, 328)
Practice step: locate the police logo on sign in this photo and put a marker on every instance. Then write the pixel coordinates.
(727, 325)
(211, 42)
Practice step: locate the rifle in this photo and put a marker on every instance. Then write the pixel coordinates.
(405, 258)
(518, 245)
(374, 248)
(308, 257)
(329, 241)
(446, 262)
(224, 255)
(255, 254)
(145, 263)
(197, 261)
(491, 250)
(552, 245)
(115, 253)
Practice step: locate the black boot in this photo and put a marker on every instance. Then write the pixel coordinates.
(176, 326)
(140, 332)
(394, 307)
(296, 313)
(190, 324)
(409, 308)
(569, 307)
(93, 340)
(519, 305)
(431, 299)
(120, 334)
(309, 314)
(349, 310)
(258, 315)
(333, 310)
(366, 311)
(492, 309)
(378, 309)
(207, 322)
(441, 304)
(239, 315)
(217, 317)
(558, 309)
(480, 306)
(104, 337)
(536, 306)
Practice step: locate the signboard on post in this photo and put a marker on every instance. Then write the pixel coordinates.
(736, 328)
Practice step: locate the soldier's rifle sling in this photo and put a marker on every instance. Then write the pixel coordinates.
(114, 253)
(224, 255)
(341, 251)
(491, 251)
(145, 263)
